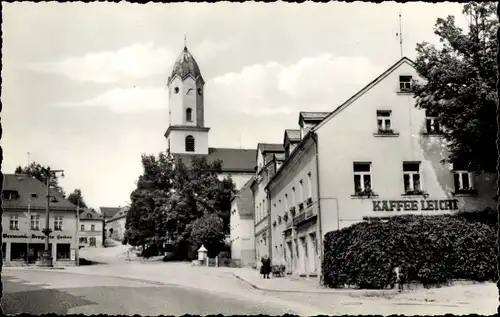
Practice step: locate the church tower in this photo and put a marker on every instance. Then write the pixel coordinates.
(186, 133)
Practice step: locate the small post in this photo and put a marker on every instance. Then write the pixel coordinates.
(208, 259)
(217, 261)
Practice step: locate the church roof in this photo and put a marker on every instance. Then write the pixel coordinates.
(186, 65)
(233, 160)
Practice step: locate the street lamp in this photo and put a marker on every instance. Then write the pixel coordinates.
(46, 256)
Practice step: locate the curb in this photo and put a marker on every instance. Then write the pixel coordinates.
(325, 291)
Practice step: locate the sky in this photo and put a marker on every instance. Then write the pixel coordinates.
(84, 83)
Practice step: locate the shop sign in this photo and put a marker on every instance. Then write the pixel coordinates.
(415, 205)
(34, 236)
(73, 255)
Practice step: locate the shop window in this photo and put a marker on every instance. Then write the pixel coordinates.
(362, 178)
(384, 121)
(82, 227)
(432, 124)
(18, 251)
(411, 176)
(58, 223)
(92, 227)
(462, 178)
(189, 143)
(93, 242)
(14, 222)
(63, 251)
(83, 239)
(405, 83)
(35, 222)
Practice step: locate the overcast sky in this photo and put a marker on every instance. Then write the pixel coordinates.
(84, 84)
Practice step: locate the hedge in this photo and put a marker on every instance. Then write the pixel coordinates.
(429, 249)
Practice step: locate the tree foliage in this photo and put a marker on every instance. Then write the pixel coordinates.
(76, 198)
(208, 231)
(171, 196)
(36, 170)
(460, 85)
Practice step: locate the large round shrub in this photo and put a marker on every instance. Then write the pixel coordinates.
(429, 249)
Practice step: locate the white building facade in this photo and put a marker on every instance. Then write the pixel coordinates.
(242, 236)
(91, 226)
(374, 156)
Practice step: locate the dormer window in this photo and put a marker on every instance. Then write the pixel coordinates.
(405, 83)
(89, 216)
(189, 115)
(33, 195)
(10, 194)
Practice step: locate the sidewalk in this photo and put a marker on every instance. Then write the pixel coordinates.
(299, 285)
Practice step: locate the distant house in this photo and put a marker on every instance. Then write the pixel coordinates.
(90, 228)
(108, 213)
(116, 225)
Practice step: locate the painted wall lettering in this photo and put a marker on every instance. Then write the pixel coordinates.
(415, 205)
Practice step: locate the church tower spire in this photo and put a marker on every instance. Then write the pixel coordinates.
(186, 133)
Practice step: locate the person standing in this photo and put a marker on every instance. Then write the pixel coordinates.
(266, 266)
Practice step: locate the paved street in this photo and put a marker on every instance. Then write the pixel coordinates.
(118, 286)
(37, 292)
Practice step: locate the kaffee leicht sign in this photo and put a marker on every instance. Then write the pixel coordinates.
(35, 236)
(415, 205)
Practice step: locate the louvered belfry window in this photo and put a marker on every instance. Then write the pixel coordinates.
(189, 143)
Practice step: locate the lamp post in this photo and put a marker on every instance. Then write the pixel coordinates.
(46, 257)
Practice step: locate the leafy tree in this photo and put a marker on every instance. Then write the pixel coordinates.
(460, 87)
(208, 231)
(171, 196)
(36, 170)
(76, 198)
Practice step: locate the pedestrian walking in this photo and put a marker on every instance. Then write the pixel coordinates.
(265, 268)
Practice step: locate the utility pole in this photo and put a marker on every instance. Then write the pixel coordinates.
(400, 35)
(47, 257)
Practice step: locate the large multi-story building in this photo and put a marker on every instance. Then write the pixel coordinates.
(187, 135)
(374, 156)
(266, 167)
(23, 219)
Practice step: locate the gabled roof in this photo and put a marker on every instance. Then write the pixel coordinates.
(244, 199)
(364, 90)
(120, 214)
(109, 212)
(293, 136)
(309, 116)
(233, 160)
(86, 212)
(33, 192)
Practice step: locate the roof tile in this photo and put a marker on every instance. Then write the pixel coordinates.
(33, 192)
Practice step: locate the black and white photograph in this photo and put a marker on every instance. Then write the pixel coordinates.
(249, 158)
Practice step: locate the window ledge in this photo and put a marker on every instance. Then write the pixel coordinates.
(466, 194)
(354, 196)
(413, 195)
(393, 134)
(404, 92)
